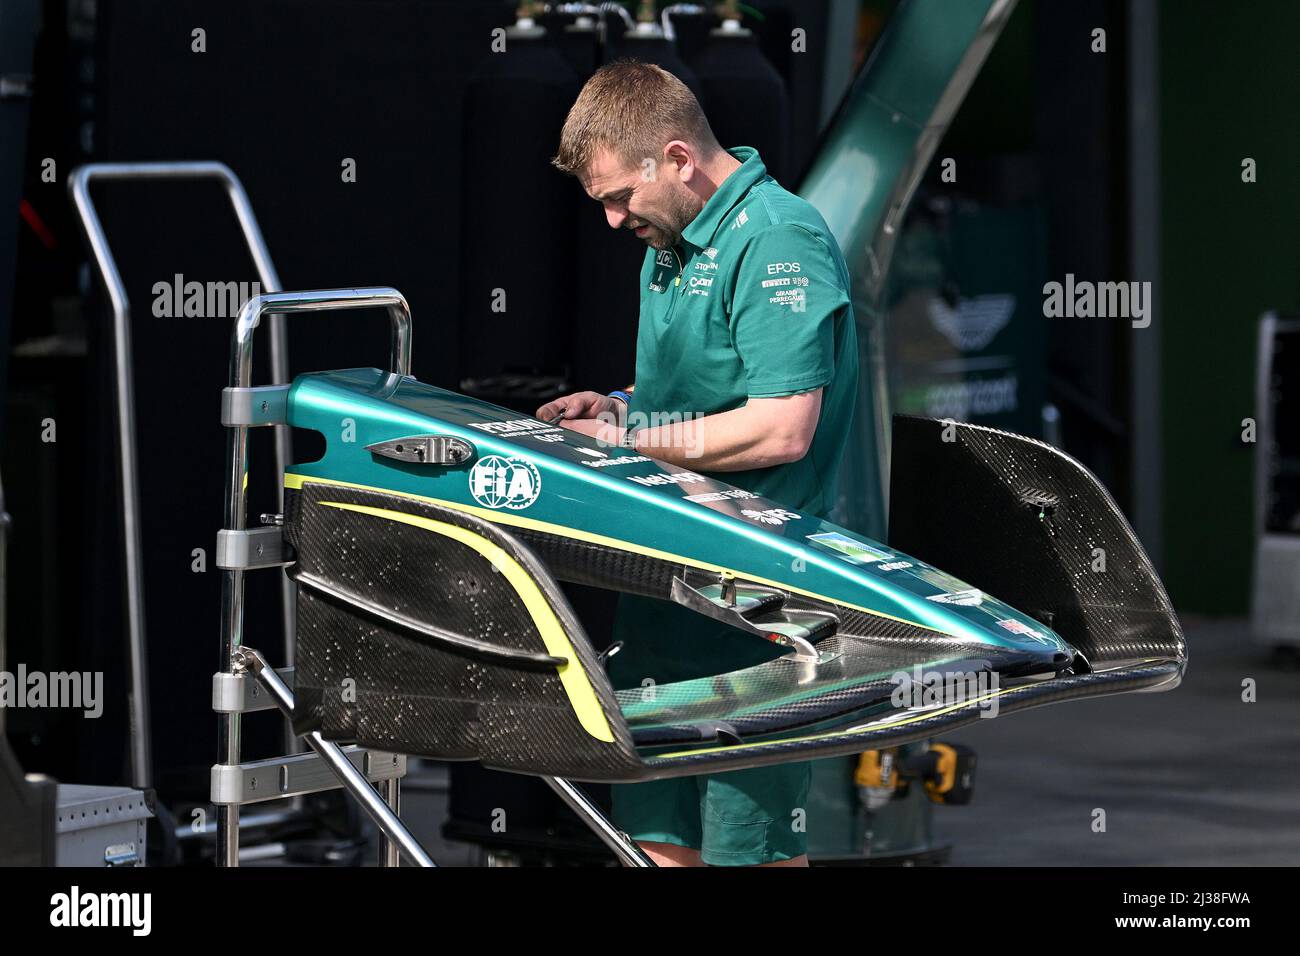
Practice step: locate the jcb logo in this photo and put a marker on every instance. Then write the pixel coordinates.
(774, 267)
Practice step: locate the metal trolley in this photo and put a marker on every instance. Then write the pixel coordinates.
(246, 682)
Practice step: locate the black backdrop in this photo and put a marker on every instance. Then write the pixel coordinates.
(285, 91)
(283, 94)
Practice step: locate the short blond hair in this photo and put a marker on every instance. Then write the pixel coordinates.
(633, 109)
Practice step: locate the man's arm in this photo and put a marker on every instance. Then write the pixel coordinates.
(787, 292)
(762, 433)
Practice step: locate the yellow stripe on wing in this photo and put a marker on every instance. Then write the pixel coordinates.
(582, 696)
(295, 482)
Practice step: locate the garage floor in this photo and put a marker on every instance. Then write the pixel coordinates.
(1192, 777)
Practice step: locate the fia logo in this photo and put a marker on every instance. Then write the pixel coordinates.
(501, 482)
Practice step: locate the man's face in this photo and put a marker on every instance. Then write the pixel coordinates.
(652, 201)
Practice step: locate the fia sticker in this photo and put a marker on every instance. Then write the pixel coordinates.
(849, 549)
(522, 428)
(893, 565)
(1024, 630)
(615, 462)
(969, 598)
(720, 495)
(497, 481)
(676, 478)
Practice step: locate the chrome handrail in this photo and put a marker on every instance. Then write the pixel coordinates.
(236, 489)
(79, 182)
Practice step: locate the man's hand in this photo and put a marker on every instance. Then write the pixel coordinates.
(582, 405)
(760, 434)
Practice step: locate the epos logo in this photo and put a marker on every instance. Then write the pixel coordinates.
(774, 267)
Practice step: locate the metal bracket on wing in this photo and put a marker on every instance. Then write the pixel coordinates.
(759, 611)
(249, 549)
(437, 634)
(425, 449)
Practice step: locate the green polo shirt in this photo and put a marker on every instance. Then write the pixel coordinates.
(753, 303)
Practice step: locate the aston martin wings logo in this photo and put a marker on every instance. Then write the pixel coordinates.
(770, 515)
(973, 324)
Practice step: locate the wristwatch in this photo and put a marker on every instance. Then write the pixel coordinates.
(624, 395)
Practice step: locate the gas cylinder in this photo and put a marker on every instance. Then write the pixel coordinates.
(518, 210)
(743, 95)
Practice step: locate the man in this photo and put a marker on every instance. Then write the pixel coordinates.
(746, 332)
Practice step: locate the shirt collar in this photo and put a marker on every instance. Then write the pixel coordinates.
(733, 189)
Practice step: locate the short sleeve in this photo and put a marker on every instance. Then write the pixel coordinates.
(787, 293)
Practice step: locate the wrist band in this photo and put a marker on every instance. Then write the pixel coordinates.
(622, 396)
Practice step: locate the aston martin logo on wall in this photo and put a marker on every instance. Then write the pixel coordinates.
(972, 325)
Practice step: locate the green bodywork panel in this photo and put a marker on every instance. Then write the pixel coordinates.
(556, 480)
(873, 155)
(862, 181)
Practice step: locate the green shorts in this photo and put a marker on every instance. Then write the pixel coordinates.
(740, 818)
